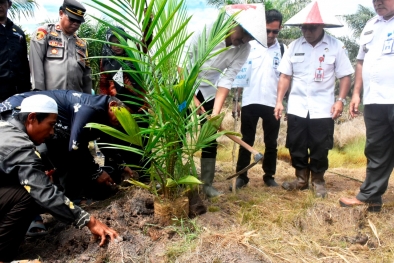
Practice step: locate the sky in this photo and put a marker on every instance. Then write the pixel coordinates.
(201, 12)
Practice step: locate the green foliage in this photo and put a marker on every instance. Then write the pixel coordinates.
(93, 30)
(358, 20)
(221, 3)
(173, 135)
(22, 8)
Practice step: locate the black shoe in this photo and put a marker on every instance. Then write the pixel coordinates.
(239, 183)
(269, 181)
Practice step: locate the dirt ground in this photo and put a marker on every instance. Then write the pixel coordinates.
(220, 235)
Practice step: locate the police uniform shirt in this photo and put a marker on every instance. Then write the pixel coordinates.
(264, 76)
(377, 51)
(230, 60)
(58, 61)
(301, 61)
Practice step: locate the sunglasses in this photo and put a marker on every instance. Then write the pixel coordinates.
(72, 20)
(308, 28)
(275, 32)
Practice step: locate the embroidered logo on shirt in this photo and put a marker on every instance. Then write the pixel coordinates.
(76, 107)
(75, 145)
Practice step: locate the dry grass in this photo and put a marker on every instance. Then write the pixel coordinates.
(261, 224)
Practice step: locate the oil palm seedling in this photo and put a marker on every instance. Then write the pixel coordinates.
(173, 134)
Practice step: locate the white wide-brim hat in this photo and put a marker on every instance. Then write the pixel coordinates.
(252, 19)
(39, 103)
(313, 13)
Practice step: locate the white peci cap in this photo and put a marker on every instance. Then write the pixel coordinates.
(251, 18)
(39, 103)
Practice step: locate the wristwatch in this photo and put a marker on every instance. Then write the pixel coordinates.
(342, 100)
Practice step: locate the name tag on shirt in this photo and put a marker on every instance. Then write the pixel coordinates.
(388, 45)
(299, 54)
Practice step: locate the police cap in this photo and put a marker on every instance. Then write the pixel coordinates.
(74, 10)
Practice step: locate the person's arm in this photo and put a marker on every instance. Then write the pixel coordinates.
(37, 54)
(27, 164)
(283, 86)
(344, 87)
(358, 86)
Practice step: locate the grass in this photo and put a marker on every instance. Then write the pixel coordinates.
(261, 224)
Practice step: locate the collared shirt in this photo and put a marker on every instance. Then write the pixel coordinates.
(230, 60)
(264, 76)
(301, 61)
(58, 61)
(20, 163)
(377, 51)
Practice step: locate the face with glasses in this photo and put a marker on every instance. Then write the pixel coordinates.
(384, 8)
(273, 29)
(68, 24)
(312, 33)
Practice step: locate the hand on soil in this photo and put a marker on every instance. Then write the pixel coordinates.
(105, 178)
(101, 230)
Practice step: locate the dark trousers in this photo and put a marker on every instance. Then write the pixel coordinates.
(309, 141)
(249, 117)
(212, 149)
(379, 150)
(17, 209)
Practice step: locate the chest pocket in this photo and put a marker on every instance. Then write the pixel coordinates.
(298, 63)
(55, 49)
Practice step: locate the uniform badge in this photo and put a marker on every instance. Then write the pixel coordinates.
(80, 43)
(53, 43)
(53, 33)
(41, 33)
(54, 51)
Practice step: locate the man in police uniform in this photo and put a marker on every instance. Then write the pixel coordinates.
(259, 99)
(374, 73)
(14, 66)
(58, 55)
(311, 63)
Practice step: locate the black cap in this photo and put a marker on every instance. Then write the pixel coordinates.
(74, 9)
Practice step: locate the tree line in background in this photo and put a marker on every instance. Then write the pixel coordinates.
(96, 30)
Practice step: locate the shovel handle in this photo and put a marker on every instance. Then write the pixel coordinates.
(241, 142)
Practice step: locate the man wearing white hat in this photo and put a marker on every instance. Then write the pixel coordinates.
(311, 64)
(24, 184)
(232, 61)
(259, 99)
(374, 74)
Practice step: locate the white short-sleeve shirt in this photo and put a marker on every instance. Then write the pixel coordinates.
(264, 78)
(301, 61)
(377, 51)
(230, 61)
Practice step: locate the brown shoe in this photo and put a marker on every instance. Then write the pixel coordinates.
(350, 202)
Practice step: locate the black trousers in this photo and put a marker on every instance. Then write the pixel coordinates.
(250, 115)
(17, 209)
(379, 150)
(212, 149)
(309, 141)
